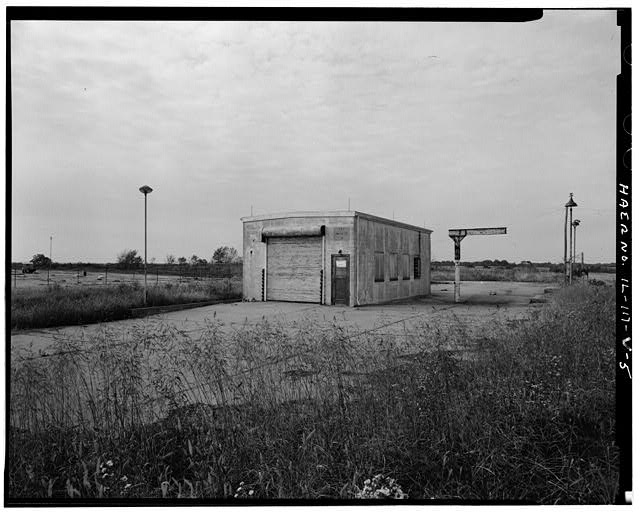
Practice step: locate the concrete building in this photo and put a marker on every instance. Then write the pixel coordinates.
(334, 257)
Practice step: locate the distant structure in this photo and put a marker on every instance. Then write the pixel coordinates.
(334, 257)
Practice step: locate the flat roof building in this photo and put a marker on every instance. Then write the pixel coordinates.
(334, 257)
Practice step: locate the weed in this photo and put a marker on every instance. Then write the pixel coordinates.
(61, 306)
(515, 274)
(313, 410)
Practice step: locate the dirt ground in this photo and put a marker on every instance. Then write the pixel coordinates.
(483, 302)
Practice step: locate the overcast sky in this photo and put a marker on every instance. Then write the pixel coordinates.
(443, 125)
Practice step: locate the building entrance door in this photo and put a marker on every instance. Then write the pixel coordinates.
(339, 279)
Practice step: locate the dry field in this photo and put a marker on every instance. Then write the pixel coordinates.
(77, 278)
(72, 298)
(494, 399)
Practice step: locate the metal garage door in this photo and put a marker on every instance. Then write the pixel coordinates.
(293, 268)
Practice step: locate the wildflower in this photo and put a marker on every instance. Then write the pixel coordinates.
(109, 463)
(381, 487)
(123, 478)
(250, 492)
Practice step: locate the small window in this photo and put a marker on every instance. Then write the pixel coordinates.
(417, 268)
(393, 266)
(379, 257)
(406, 271)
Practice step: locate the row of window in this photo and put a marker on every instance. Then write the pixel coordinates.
(393, 266)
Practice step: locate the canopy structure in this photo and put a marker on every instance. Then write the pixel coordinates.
(457, 235)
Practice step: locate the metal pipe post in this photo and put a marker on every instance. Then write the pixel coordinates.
(145, 250)
(456, 285)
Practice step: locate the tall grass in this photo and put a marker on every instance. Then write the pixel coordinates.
(514, 274)
(60, 306)
(306, 410)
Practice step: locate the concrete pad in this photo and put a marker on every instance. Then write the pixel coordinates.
(483, 302)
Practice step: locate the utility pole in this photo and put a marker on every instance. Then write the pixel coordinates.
(575, 225)
(568, 208)
(570, 245)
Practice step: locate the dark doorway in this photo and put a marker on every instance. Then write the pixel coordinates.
(339, 279)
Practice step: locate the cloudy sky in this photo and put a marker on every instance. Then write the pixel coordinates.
(443, 125)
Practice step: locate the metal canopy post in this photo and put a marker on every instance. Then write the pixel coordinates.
(457, 236)
(457, 239)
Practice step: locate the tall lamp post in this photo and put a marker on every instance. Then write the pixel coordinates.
(568, 210)
(575, 225)
(145, 189)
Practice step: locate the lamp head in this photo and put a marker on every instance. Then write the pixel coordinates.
(145, 189)
(571, 203)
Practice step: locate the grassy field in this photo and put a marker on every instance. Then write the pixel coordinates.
(526, 413)
(515, 274)
(63, 306)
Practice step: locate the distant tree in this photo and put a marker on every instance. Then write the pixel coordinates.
(232, 255)
(129, 258)
(171, 259)
(182, 261)
(218, 255)
(194, 260)
(153, 260)
(225, 255)
(40, 260)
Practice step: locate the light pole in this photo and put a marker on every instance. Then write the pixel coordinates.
(575, 225)
(145, 189)
(568, 208)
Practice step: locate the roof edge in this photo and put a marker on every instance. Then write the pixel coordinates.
(300, 213)
(333, 213)
(393, 222)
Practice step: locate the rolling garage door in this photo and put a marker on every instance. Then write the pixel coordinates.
(293, 268)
